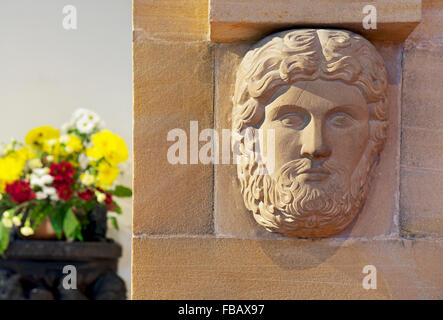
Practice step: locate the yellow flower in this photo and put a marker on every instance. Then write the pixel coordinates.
(22, 155)
(52, 146)
(106, 174)
(35, 163)
(75, 143)
(63, 145)
(36, 137)
(11, 168)
(109, 146)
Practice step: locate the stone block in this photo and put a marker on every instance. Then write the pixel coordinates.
(235, 20)
(175, 20)
(421, 202)
(221, 268)
(172, 86)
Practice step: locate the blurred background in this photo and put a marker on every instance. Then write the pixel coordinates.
(46, 72)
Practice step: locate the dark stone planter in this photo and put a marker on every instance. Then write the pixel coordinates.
(33, 270)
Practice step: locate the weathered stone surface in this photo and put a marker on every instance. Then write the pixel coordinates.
(172, 86)
(379, 214)
(234, 20)
(421, 202)
(211, 268)
(422, 135)
(170, 19)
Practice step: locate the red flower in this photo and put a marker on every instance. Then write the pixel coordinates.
(63, 173)
(20, 191)
(87, 195)
(108, 200)
(64, 191)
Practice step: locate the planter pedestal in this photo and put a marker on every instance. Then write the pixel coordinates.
(48, 270)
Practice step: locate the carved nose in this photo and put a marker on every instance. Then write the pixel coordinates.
(313, 142)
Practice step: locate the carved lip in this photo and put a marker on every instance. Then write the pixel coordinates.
(315, 170)
(315, 174)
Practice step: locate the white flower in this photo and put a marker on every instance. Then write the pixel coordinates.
(87, 179)
(65, 139)
(47, 192)
(50, 191)
(37, 181)
(7, 222)
(47, 179)
(54, 197)
(17, 221)
(7, 149)
(101, 197)
(50, 158)
(40, 177)
(26, 231)
(6, 214)
(68, 149)
(51, 142)
(83, 161)
(40, 195)
(84, 125)
(41, 172)
(35, 163)
(85, 120)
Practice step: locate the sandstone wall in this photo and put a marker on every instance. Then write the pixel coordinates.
(192, 237)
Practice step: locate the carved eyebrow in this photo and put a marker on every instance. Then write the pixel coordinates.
(356, 111)
(278, 111)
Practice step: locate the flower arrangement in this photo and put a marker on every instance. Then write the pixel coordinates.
(60, 175)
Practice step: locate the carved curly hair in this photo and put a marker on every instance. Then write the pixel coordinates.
(307, 54)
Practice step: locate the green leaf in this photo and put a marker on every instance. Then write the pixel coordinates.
(117, 208)
(114, 222)
(57, 218)
(70, 224)
(4, 238)
(39, 213)
(121, 192)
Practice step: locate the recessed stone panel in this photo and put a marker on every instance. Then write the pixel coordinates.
(379, 214)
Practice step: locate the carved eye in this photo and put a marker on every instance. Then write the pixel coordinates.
(294, 120)
(341, 120)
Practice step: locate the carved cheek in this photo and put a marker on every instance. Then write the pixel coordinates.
(349, 145)
(287, 145)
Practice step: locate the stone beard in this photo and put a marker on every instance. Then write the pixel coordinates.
(323, 92)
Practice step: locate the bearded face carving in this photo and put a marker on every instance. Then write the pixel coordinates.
(322, 94)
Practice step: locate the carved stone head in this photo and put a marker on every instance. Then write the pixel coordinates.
(323, 94)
